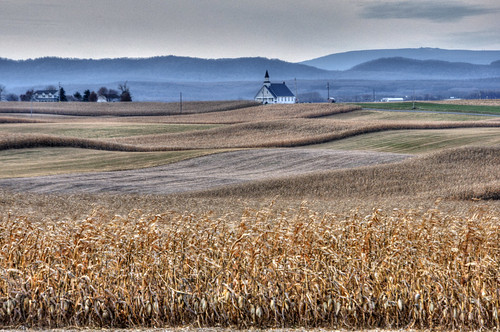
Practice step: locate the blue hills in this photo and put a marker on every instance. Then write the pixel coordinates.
(351, 74)
(348, 60)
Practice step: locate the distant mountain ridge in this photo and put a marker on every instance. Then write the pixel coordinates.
(156, 69)
(348, 60)
(404, 68)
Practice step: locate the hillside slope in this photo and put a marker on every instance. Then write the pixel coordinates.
(347, 60)
(157, 69)
(401, 68)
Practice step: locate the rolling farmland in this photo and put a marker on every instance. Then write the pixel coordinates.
(248, 216)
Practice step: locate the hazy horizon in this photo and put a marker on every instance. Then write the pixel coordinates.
(187, 56)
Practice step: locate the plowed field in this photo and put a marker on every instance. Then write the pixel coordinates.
(205, 172)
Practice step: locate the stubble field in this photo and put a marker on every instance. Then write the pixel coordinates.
(307, 215)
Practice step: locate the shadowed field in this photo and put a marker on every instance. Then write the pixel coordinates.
(204, 172)
(417, 141)
(445, 174)
(52, 161)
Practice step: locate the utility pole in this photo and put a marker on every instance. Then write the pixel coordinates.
(59, 92)
(180, 102)
(413, 98)
(296, 94)
(328, 87)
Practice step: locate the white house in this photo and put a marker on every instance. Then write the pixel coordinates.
(274, 93)
(46, 95)
(102, 99)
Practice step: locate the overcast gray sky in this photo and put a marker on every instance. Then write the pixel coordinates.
(292, 30)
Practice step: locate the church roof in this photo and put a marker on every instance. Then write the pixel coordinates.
(280, 90)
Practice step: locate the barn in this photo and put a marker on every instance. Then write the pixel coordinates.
(274, 93)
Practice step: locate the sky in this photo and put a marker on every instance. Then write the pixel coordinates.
(291, 30)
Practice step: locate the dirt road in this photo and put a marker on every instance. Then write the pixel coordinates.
(204, 172)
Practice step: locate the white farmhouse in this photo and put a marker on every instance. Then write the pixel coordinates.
(274, 93)
(46, 95)
(102, 99)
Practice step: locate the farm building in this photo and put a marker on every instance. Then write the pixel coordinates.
(388, 100)
(102, 99)
(46, 95)
(274, 93)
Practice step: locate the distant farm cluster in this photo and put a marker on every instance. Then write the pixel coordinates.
(58, 94)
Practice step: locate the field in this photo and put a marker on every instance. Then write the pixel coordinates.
(458, 106)
(238, 215)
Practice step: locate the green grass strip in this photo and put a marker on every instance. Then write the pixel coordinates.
(435, 107)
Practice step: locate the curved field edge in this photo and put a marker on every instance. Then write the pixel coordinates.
(417, 141)
(11, 119)
(205, 172)
(122, 109)
(209, 113)
(456, 174)
(421, 269)
(55, 161)
(99, 129)
(474, 107)
(234, 136)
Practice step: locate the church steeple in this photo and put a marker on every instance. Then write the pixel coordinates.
(266, 79)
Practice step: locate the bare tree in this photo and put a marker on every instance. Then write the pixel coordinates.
(125, 95)
(123, 87)
(110, 94)
(103, 91)
(113, 95)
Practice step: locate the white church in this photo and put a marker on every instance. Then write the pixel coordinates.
(274, 93)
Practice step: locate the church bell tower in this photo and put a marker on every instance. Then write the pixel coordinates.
(266, 80)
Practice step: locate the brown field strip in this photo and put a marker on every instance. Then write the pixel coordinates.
(462, 173)
(53, 161)
(473, 102)
(201, 113)
(284, 133)
(11, 119)
(369, 115)
(121, 109)
(266, 113)
(203, 172)
(417, 141)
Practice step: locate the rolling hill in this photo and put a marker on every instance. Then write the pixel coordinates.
(347, 60)
(404, 68)
(156, 69)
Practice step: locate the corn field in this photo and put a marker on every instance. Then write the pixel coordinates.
(266, 268)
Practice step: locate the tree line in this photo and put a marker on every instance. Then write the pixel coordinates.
(122, 94)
